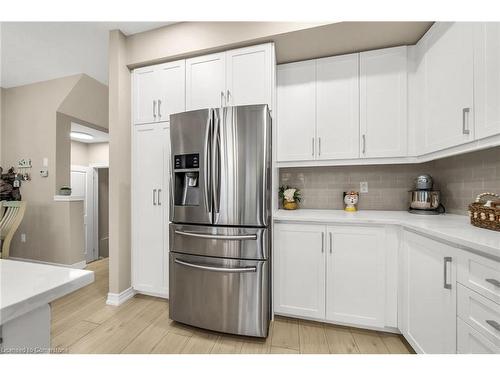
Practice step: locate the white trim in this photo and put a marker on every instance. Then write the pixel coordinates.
(78, 265)
(116, 299)
(99, 165)
(68, 198)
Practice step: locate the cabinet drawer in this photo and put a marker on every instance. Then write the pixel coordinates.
(480, 274)
(480, 313)
(470, 341)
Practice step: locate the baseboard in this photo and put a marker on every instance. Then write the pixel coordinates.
(80, 265)
(116, 299)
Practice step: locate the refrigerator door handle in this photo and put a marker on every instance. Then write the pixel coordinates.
(207, 164)
(216, 269)
(216, 162)
(240, 237)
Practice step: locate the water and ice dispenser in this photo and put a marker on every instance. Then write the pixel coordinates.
(187, 184)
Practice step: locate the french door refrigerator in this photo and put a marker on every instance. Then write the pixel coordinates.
(220, 215)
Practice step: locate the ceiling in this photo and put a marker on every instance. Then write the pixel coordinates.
(39, 51)
(98, 136)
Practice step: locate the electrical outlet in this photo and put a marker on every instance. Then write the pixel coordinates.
(363, 187)
(23, 237)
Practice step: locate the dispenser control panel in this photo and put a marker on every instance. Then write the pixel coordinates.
(187, 161)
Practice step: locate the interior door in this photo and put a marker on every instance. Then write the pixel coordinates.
(205, 81)
(299, 270)
(428, 296)
(242, 164)
(337, 107)
(145, 95)
(296, 101)
(148, 225)
(383, 103)
(356, 274)
(249, 75)
(171, 87)
(448, 93)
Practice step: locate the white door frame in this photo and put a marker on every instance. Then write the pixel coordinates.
(88, 207)
(95, 214)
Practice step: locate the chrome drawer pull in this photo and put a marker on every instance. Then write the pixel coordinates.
(216, 269)
(494, 324)
(218, 236)
(493, 281)
(446, 284)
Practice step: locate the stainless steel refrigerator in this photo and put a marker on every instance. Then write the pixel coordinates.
(220, 213)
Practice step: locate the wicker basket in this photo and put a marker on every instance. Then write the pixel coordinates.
(485, 213)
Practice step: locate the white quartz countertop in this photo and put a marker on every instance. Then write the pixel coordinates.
(25, 286)
(454, 229)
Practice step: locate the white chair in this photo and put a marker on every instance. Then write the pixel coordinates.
(12, 215)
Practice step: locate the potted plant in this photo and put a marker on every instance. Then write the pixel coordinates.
(65, 190)
(290, 197)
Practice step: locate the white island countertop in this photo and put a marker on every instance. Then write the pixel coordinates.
(453, 229)
(25, 286)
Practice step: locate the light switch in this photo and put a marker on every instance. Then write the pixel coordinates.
(45, 162)
(363, 187)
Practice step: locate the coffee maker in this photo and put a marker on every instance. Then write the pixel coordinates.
(424, 200)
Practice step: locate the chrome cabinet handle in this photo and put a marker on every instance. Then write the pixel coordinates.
(446, 261)
(322, 242)
(154, 197)
(159, 192)
(319, 146)
(364, 143)
(159, 108)
(222, 99)
(331, 243)
(240, 237)
(494, 282)
(216, 269)
(312, 146)
(494, 324)
(465, 124)
(154, 109)
(227, 96)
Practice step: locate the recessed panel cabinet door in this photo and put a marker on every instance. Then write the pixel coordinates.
(356, 275)
(487, 79)
(205, 81)
(148, 254)
(383, 103)
(428, 295)
(171, 86)
(299, 270)
(249, 75)
(296, 101)
(448, 87)
(337, 107)
(145, 95)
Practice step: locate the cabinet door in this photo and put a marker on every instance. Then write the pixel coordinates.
(148, 250)
(383, 103)
(448, 87)
(299, 270)
(428, 295)
(170, 84)
(163, 200)
(249, 75)
(296, 101)
(487, 79)
(356, 275)
(205, 81)
(337, 107)
(145, 95)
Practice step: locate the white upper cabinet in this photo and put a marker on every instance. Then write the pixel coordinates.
(448, 86)
(356, 275)
(299, 270)
(296, 102)
(383, 103)
(171, 86)
(249, 75)
(205, 81)
(337, 107)
(145, 95)
(159, 91)
(487, 79)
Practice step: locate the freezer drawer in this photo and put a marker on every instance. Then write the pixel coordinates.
(224, 295)
(224, 242)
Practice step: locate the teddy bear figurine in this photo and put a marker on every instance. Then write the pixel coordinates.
(351, 199)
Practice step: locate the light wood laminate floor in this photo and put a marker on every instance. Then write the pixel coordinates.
(83, 323)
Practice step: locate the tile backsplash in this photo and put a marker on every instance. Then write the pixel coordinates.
(460, 179)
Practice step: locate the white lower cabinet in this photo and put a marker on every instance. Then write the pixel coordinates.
(470, 341)
(332, 273)
(428, 295)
